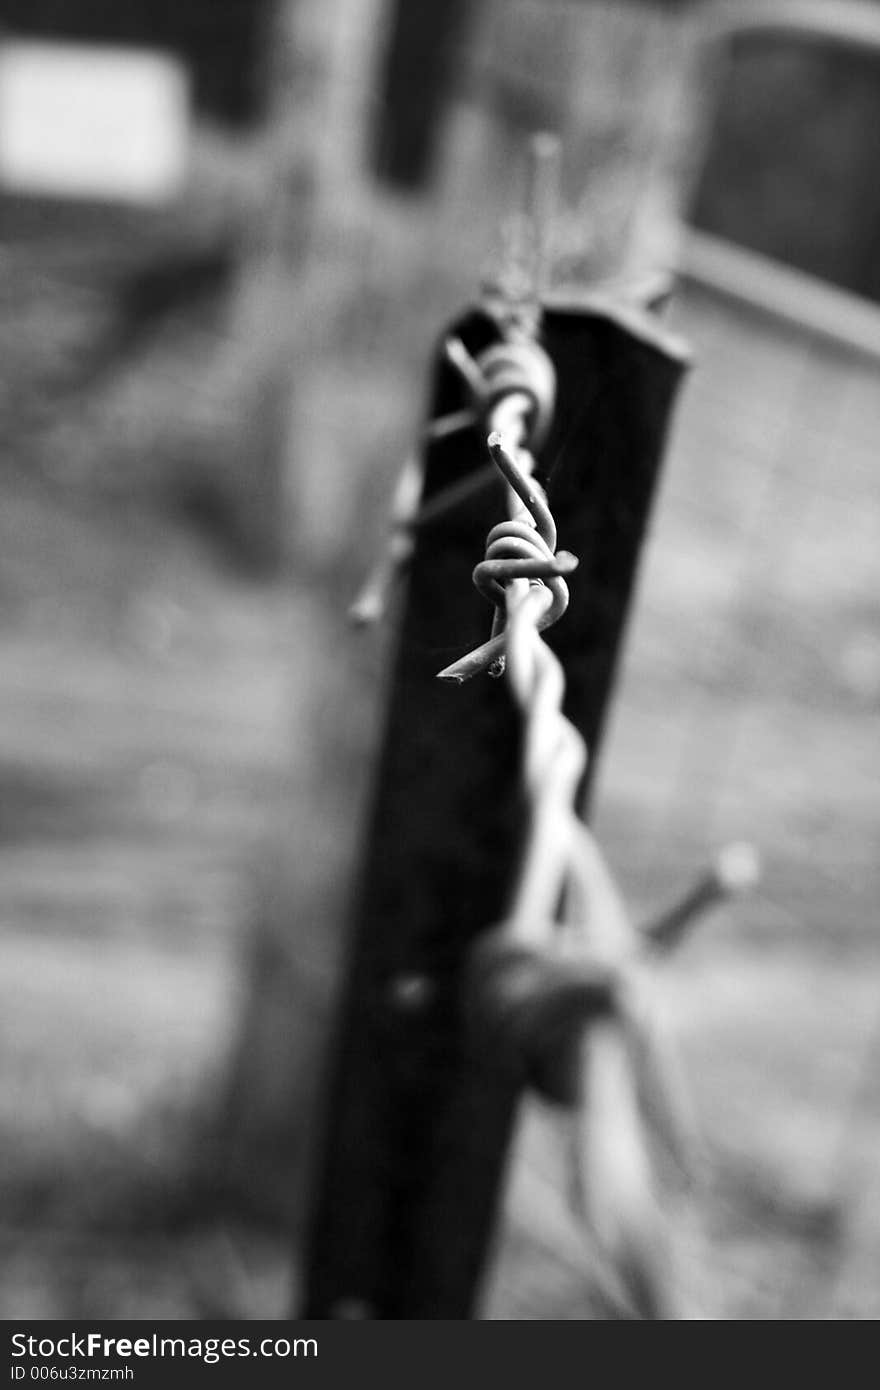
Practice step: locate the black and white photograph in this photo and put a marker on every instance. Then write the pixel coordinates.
(439, 676)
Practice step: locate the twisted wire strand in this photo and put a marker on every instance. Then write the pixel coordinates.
(574, 1021)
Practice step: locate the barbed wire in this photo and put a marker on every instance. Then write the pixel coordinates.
(560, 986)
(560, 989)
(557, 989)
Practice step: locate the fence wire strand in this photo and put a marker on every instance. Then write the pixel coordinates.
(559, 984)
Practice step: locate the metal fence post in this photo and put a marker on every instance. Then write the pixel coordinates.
(418, 1124)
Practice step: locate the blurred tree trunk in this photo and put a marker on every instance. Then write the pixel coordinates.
(419, 70)
(309, 283)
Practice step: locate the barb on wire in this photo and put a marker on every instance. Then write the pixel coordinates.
(372, 600)
(736, 870)
(408, 516)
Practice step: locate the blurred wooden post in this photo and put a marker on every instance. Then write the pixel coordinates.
(418, 71)
(409, 1171)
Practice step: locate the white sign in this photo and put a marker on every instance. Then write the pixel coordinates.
(84, 121)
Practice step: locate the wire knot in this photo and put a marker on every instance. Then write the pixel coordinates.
(534, 1007)
(522, 547)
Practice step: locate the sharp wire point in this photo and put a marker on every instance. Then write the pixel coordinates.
(738, 868)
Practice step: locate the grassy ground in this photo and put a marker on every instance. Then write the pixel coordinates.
(147, 699)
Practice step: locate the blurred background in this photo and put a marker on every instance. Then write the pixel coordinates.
(230, 236)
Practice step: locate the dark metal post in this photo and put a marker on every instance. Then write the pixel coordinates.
(419, 1123)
